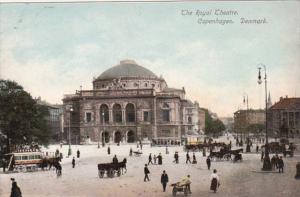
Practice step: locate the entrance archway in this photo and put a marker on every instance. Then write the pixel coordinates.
(130, 137)
(118, 137)
(105, 136)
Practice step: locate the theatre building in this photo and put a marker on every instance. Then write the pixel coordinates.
(128, 103)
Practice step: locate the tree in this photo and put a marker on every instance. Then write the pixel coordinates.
(21, 119)
(213, 126)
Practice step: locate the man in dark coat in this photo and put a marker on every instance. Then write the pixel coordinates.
(78, 153)
(150, 159)
(164, 180)
(273, 162)
(257, 148)
(188, 158)
(208, 162)
(176, 157)
(194, 159)
(280, 164)
(115, 160)
(159, 158)
(73, 162)
(130, 152)
(146, 172)
(108, 150)
(15, 190)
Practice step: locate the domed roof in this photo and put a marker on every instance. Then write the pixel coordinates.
(126, 68)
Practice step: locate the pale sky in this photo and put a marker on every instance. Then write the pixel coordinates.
(52, 49)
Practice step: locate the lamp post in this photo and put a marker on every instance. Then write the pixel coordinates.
(267, 163)
(70, 150)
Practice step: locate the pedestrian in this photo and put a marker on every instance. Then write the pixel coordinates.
(137, 145)
(167, 151)
(204, 152)
(208, 162)
(176, 156)
(194, 159)
(276, 161)
(3, 164)
(141, 145)
(262, 155)
(60, 144)
(130, 152)
(280, 164)
(188, 157)
(150, 159)
(78, 153)
(257, 148)
(154, 157)
(215, 181)
(164, 180)
(273, 162)
(73, 162)
(15, 189)
(115, 160)
(159, 158)
(108, 150)
(146, 172)
(186, 182)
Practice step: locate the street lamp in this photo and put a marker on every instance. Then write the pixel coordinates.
(70, 150)
(267, 163)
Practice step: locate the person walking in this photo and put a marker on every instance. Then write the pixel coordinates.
(208, 162)
(164, 180)
(73, 162)
(257, 148)
(130, 152)
(167, 151)
(215, 181)
(159, 158)
(188, 157)
(280, 164)
(78, 153)
(154, 157)
(194, 159)
(146, 172)
(176, 157)
(108, 150)
(15, 189)
(59, 170)
(273, 162)
(150, 159)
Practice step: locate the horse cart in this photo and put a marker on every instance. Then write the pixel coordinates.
(137, 153)
(111, 169)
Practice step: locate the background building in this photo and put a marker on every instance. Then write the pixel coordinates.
(284, 118)
(54, 119)
(127, 103)
(244, 118)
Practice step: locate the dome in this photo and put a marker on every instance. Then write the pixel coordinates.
(127, 68)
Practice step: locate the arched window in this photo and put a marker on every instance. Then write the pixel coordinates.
(166, 112)
(104, 113)
(189, 119)
(130, 113)
(117, 113)
(130, 137)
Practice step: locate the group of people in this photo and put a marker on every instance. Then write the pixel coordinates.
(185, 182)
(277, 163)
(155, 158)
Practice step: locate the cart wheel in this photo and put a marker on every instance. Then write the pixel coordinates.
(174, 191)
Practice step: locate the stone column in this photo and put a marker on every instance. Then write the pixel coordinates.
(110, 116)
(123, 116)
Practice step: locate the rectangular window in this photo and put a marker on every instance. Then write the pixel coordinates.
(146, 116)
(297, 119)
(166, 133)
(88, 116)
(166, 115)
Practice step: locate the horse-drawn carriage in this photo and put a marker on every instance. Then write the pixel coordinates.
(24, 161)
(111, 169)
(179, 188)
(226, 154)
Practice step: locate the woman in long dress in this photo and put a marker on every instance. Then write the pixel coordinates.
(215, 181)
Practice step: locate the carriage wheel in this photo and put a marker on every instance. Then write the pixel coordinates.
(185, 192)
(119, 172)
(174, 191)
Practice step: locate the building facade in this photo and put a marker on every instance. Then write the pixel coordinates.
(54, 119)
(284, 118)
(244, 118)
(128, 103)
